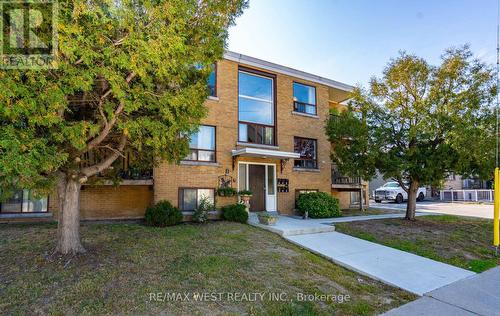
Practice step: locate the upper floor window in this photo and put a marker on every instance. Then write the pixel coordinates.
(202, 145)
(256, 108)
(304, 98)
(307, 148)
(212, 82)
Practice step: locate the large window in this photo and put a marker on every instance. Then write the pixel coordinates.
(304, 98)
(212, 82)
(202, 145)
(307, 148)
(256, 108)
(189, 198)
(23, 201)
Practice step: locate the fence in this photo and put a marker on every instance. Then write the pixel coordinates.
(466, 195)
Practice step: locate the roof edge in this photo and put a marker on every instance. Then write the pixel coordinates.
(252, 61)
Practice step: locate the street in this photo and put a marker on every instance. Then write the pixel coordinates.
(456, 208)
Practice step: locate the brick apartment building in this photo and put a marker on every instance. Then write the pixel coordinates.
(264, 132)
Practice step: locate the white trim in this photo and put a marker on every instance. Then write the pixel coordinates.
(254, 98)
(257, 145)
(252, 61)
(213, 98)
(305, 114)
(257, 152)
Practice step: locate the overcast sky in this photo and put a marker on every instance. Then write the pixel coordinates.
(352, 40)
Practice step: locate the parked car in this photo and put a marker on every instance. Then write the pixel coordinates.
(392, 191)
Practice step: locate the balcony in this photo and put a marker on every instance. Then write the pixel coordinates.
(341, 181)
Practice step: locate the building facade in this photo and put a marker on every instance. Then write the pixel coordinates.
(265, 132)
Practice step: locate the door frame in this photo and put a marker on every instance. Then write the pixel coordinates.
(271, 208)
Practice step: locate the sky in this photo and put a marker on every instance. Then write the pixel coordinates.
(352, 40)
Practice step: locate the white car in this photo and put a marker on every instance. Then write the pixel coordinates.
(392, 191)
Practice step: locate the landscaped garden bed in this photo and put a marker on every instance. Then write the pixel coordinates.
(126, 263)
(461, 241)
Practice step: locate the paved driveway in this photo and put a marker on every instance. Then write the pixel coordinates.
(456, 208)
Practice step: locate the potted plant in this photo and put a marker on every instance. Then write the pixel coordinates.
(226, 191)
(245, 195)
(267, 218)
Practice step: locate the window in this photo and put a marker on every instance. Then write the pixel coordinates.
(23, 201)
(304, 98)
(256, 108)
(202, 145)
(212, 82)
(189, 198)
(306, 147)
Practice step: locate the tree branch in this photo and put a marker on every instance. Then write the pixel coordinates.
(95, 169)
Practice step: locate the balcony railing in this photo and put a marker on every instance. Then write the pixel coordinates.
(338, 178)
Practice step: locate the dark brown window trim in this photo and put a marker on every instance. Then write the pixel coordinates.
(275, 101)
(181, 200)
(210, 150)
(296, 103)
(315, 154)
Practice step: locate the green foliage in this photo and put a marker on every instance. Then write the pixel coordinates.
(201, 213)
(226, 191)
(235, 213)
(129, 76)
(163, 214)
(245, 192)
(419, 122)
(318, 205)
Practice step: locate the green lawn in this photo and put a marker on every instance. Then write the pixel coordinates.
(367, 211)
(461, 241)
(125, 263)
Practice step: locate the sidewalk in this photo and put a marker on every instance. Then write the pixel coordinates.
(477, 295)
(410, 272)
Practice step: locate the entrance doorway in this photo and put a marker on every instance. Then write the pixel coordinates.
(260, 178)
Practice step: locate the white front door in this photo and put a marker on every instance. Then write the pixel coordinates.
(271, 188)
(244, 181)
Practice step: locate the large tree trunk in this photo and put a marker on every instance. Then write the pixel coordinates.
(412, 201)
(68, 230)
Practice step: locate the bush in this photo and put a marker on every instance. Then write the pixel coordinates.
(235, 213)
(163, 214)
(201, 213)
(318, 205)
(226, 191)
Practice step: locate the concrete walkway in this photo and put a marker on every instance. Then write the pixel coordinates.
(477, 295)
(410, 272)
(290, 226)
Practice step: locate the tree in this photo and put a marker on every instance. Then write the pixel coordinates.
(418, 123)
(130, 76)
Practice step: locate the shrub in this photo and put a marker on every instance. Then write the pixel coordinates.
(318, 205)
(201, 213)
(226, 191)
(245, 192)
(235, 213)
(163, 214)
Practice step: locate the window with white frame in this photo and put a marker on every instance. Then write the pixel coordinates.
(202, 145)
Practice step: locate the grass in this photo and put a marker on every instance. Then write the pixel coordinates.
(367, 211)
(461, 241)
(125, 263)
